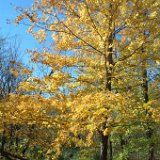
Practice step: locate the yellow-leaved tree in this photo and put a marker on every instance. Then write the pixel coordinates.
(99, 56)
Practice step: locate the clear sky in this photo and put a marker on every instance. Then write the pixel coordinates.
(7, 11)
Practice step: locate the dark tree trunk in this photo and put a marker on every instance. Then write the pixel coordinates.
(104, 141)
(104, 147)
(3, 141)
(149, 132)
(145, 85)
(108, 50)
(109, 60)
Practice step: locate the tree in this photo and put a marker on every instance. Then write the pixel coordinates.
(95, 63)
(10, 64)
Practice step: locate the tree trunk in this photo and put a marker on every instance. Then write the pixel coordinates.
(3, 141)
(149, 132)
(145, 85)
(104, 147)
(108, 49)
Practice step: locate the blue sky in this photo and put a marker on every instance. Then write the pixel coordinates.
(7, 11)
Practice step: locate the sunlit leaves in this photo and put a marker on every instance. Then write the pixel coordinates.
(94, 44)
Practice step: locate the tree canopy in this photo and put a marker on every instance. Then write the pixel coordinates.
(101, 90)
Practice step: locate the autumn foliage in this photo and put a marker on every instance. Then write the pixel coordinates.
(101, 90)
